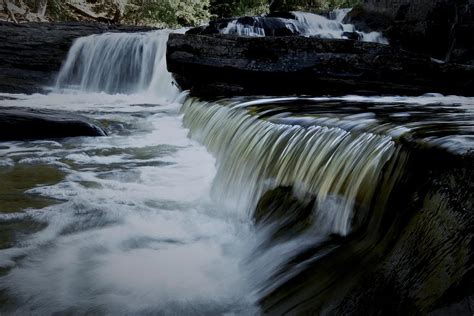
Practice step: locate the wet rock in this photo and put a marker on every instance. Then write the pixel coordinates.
(287, 214)
(442, 29)
(282, 14)
(272, 26)
(32, 53)
(225, 65)
(352, 36)
(368, 20)
(413, 255)
(24, 124)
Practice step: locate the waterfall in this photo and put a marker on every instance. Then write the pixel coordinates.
(234, 27)
(305, 24)
(336, 166)
(339, 14)
(320, 26)
(119, 63)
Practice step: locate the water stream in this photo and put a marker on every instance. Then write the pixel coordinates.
(156, 218)
(306, 24)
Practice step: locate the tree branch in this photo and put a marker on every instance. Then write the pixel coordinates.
(9, 12)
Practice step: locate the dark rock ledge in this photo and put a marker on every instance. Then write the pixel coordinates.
(29, 124)
(224, 65)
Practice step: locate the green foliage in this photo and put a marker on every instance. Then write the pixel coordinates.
(168, 13)
(176, 13)
(311, 5)
(336, 4)
(58, 11)
(230, 8)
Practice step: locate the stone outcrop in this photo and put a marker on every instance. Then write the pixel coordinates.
(28, 124)
(443, 29)
(411, 258)
(223, 65)
(32, 53)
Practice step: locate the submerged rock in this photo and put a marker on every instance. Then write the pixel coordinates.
(18, 179)
(288, 214)
(23, 124)
(225, 65)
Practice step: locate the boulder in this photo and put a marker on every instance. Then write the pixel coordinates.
(441, 29)
(287, 214)
(32, 53)
(29, 124)
(224, 65)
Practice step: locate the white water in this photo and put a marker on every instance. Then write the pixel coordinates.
(254, 156)
(240, 29)
(141, 228)
(308, 24)
(137, 232)
(151, 220)
(119, 63)
(320, 26)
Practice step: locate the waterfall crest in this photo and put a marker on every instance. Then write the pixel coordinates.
(338, 167)
(119, 63)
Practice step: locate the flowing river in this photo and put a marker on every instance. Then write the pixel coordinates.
(157, 217)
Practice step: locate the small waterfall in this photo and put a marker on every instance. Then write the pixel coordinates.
(234, 27)
(305, 24)
(320, 26)
(119, 63)
(339, 14)
(338, 167)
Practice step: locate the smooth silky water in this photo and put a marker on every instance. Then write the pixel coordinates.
(156, 218)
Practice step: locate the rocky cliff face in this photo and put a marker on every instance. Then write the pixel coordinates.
(413, 258)
(443, 29)
(224, 65)
(411, 10)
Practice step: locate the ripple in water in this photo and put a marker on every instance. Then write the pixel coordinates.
(134, 235)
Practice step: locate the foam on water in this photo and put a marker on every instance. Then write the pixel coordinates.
(137, 231)
(307, 24)
(152, 221)
(119, 63)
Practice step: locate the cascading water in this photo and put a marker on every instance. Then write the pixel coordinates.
(119, 63)
(305, 24)
(320, 26)
(253, 156)
(234, 27)
(146, 221)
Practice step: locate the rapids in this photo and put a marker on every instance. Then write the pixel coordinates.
(156, 218)
(134, 229)
(306, 24)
